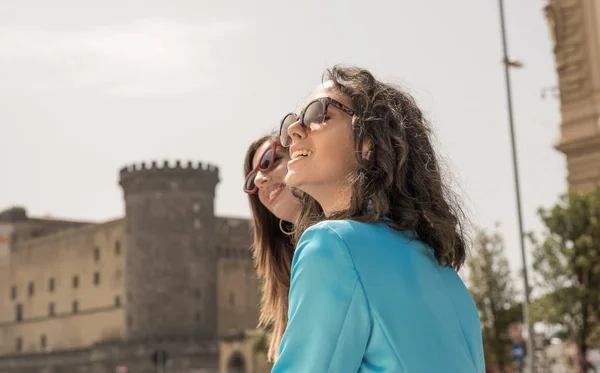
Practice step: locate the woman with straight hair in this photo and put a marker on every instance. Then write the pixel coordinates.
(274, 210)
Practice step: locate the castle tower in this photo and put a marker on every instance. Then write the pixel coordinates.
(575, 29)
(171, 258)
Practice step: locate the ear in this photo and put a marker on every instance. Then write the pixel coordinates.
(366, 149)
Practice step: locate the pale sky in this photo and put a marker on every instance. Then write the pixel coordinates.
(88, 87)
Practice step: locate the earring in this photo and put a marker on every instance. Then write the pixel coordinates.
(283, 230)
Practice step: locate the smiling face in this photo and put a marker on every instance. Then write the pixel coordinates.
(272, 190)
(322, 152)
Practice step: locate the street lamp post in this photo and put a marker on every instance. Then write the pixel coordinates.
(507, 65)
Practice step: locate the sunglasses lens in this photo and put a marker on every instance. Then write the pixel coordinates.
(287, 121)
(314, 114)
(250, 186)
(267, 159)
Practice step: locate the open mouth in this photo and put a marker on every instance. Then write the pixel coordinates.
(300, 154)
(275, 192)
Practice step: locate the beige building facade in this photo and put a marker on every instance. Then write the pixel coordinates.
(168, 277)
(575, 30)
(64, 290)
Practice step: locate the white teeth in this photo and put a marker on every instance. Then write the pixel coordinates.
(301, 153)
(272, 194)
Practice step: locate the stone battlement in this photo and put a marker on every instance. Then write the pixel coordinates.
(166, 167)
(155, 176)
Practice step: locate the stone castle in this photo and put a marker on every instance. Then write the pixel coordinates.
(169, 286)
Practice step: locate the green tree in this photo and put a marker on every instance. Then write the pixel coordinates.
(566, 261)
(492, 290)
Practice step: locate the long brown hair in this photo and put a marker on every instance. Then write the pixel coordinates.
(401, 179)
(272, 251)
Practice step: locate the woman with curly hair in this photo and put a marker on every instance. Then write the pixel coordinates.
(374, 283)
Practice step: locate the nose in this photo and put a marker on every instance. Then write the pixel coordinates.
(261, 179)
(297, 131)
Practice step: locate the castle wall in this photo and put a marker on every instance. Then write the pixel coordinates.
(238, 296)
(64, 331)
(33, 228)
(183, 356)
(238, 293)
(188, 280)
(233, 232)
(71, 253)
(45, 276)
(6, 306)
(6, 232)
(241, 350)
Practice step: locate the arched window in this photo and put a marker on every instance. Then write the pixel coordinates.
(236, 363)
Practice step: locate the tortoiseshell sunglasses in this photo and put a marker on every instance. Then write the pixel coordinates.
(314, 112)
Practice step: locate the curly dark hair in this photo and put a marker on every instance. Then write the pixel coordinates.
(401, 179)
(272, 251)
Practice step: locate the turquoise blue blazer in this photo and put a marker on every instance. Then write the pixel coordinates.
(367, 298)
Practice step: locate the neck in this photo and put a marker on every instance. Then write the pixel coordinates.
(333, 198)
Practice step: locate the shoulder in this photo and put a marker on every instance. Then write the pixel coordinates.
(337, 238)
(362, 240)
(325, 241)
(355, 234)
(337, 230)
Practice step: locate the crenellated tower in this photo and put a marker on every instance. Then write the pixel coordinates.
(171, 257)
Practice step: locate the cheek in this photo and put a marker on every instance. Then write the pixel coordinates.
(278, 173)
(335, 149)
(316, 126)
(287, 202)
(334, 163)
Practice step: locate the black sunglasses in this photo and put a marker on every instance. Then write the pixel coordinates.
(314, 112)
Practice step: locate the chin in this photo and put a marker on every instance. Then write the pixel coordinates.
(291, 180)
(295, 179)
(284, 209)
